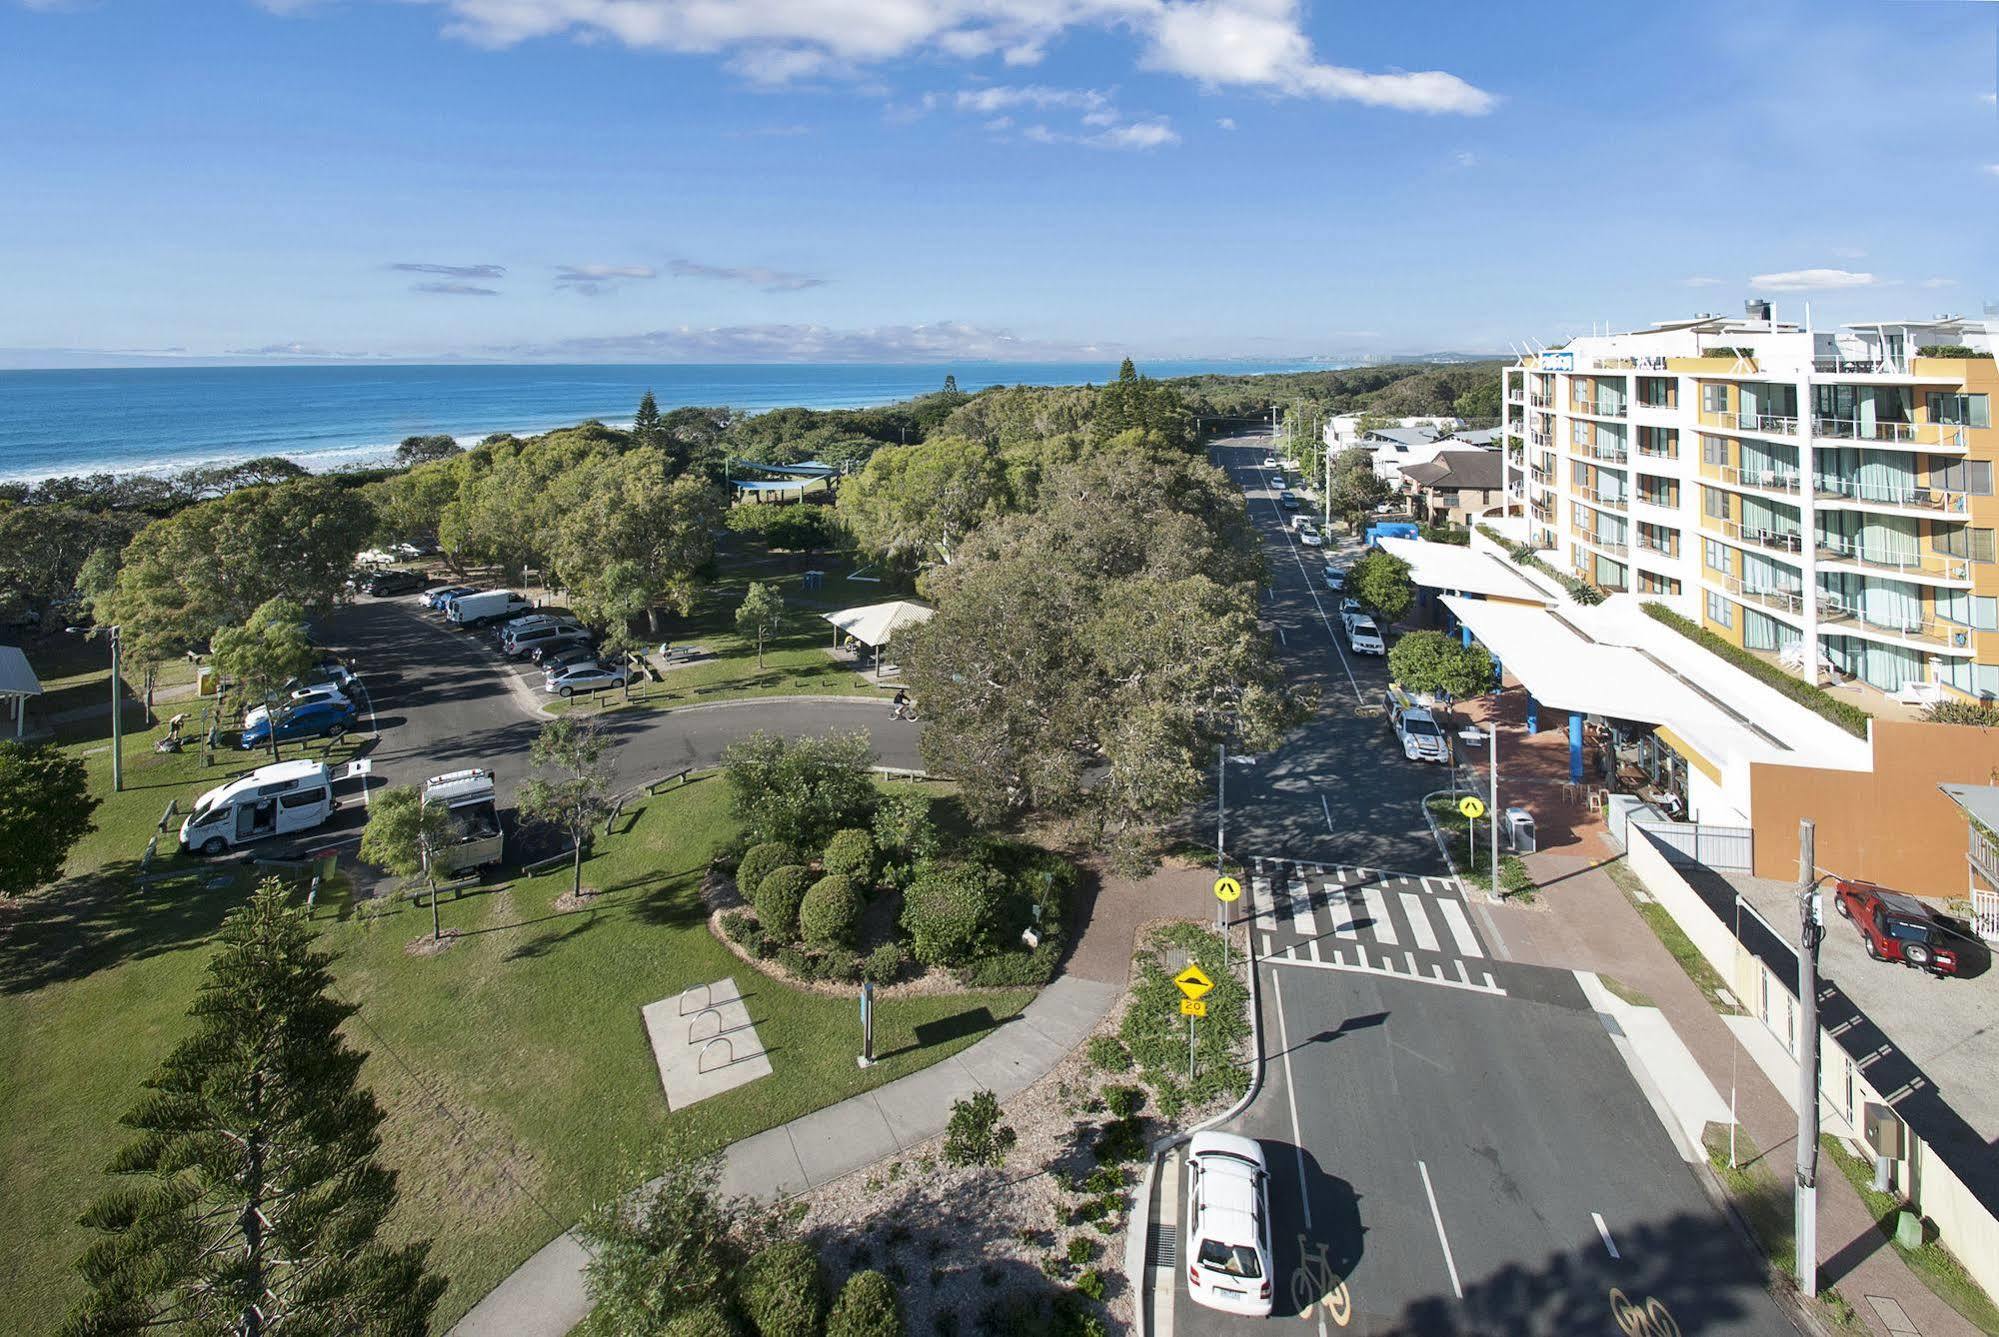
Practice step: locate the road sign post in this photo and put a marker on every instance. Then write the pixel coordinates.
(1227, 892)
(867, 1057)
(1473, 808)
(1194, 985)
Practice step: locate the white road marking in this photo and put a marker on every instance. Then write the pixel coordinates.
(1280, 637)
(1312, 949)
(1603, 1233)
(1442, 1238)
(1340, 907)
(1341, 873)
(1291, 1098)
(1267, 949)
(1460, 927)
(1463, 974)
(1329, 815)
(1362, 967)
(1331, 635)
(1301, 911)
(1419, 922)
(1377, 911)
(1410, 957)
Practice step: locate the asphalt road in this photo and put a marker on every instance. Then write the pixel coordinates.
(1339, 790)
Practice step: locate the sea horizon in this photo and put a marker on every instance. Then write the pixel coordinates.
(59, 422)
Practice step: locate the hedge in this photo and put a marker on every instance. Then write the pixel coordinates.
(759, 862)
(778, 898)
(867, 1307)
(830, 914)
(1848, 717)
(782, 1291)
(1524, 555)
(851, 854)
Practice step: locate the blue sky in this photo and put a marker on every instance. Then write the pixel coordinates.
(920, 179)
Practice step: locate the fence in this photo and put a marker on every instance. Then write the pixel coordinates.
(1985, 913)
(1727, 849)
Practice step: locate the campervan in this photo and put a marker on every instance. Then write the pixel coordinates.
(473, 835)
(485, 606)
(272, 800)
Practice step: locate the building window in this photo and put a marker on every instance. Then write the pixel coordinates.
(1656, 391)
(1973, 476)
(1579, 432)
(1960, 410)
(1649, 583)
(1985, 612)
(1719, 610)
(1964, 542)
(1988, 680)
(1714, 503)
(1714, 399)
(1716, 556)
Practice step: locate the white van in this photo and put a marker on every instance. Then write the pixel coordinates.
(272, 800)
(474, 836)
(485, 606)
(1363, 637)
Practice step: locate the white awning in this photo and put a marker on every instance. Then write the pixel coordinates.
(1461, 570)
(876, 624)
(16, 678)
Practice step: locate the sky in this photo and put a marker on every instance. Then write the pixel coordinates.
(915, 180)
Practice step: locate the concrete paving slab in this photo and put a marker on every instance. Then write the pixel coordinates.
(543, 1295)
(704, 1043)
(1010, 1058)
(842, 1138)
(1068, 1008)
(919, 1105)
(764, 1166)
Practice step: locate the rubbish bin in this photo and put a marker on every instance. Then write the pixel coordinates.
(1520, 830)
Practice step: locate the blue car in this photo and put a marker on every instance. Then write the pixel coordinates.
(311, 719)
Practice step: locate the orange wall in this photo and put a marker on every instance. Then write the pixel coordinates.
(1889, 825)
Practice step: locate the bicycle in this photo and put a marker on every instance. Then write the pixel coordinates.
(1315, 1283)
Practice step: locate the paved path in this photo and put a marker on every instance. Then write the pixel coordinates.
(1584, 921)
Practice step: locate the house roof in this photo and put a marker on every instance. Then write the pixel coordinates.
(1405, 436)
(1480, 470)
(1462, 570)
(874, 624)
(1478, 436)
(16, 678)
(1980, 802)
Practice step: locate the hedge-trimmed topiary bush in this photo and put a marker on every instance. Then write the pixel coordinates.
(851, 854)
(883, 964)
(782, 1292)
(759, 862)
(708, 1320)
(867, 1307)
(949, 911)
(778, 898)
(830, 914)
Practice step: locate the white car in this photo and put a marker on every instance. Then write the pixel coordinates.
(303, 696)
(1364, 638)
(1336, 579)
(1349, 606)
(1309, 535)
(585, 677)
(1270, 461)
(1227, 1225)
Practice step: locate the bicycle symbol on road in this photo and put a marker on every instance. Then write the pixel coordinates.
(1651, 1319)
(1316, 1284)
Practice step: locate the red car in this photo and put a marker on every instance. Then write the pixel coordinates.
(1895, 926)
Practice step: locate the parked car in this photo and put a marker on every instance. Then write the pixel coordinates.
(1288, 500)
(1309, 535)
(395, 580)
(273, 800)
(325, 691)
(474, 836)
(439, 597)
(1350, 607)
(1895, 926)
(518, 644)
(565, 638)
(1364, 638)
(1279, 481)
(327, 672)
(589, 676)
(515, 626)
(483, 606)
(1227, 1224)
(314, 719)
(1336, 577)
(553, 658)
(1270, 461)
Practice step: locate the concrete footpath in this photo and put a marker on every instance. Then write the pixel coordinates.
(1583, 921)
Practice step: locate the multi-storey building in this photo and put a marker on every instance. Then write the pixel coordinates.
(1825, 497)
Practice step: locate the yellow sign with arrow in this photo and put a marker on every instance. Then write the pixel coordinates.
(1227, 889)
(1472, 806)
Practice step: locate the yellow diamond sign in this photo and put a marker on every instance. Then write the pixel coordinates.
(1194, 981)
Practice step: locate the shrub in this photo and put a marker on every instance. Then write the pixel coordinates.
(949, 911)
(851, 854)
(975, 1135)
(1809, 695)
(1081, 1249)
(902, 827)
(1122, 1140)
(1947, 350)
(782, 1292)
(778, 897)
(800, 790)
(1124, 1101)
(842, 966)
(738, 924)
(759, 862)
(708, 1320)
(830, 914)
(1091, 1283)
(1013, 970)
(884, 964)
(667, 1248)
(1108, 1054)
(867, 1307)
(797, 961)
(1983, 714)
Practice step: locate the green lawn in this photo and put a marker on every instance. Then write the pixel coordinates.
(514, 1067)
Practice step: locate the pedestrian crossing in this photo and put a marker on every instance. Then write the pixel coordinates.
(1367, 920)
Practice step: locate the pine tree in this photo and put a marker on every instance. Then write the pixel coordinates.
(950, 383)
(254, 1196)
(646, 426)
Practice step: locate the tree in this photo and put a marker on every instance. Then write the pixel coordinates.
(265, 653)
(1381, 581)
(1440, 665)
(401, 835)
(45, 808)
(1355, 492)
(800, 791)
(950, 910)
(646, 429)
(1479, 403)
(760, 615)
(914, 504)
(578, 795)
(950, 383)
(416, 450)
(782, 1290)
(253, 1199)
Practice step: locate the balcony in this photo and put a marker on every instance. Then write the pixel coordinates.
(1590, 494)
(1754, 536)
(1899, 495)
(1665, 500)
(1544, 477)
(1851, 366)
(1540, 401)
(1763, 424)
(1927, 632)
(1545, 513)
(1612, 546)
(1515, 397)
(1930, 435)
(1545, 440)
(1671, 451)
(1667, 545)
(1760, 480)
(1604, 409)
(1934, 566)
(1607, 454)
(1791, 603)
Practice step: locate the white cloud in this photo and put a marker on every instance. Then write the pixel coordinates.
(1812, 280)
(1703, 281)
(1230, 43)
(1989, 99)
(1002, 97)
(1102, 125)
(807, 343)
(594, 279)
(770, 280)
(1137, 135)
(1937, 283)
(1465, 158)
(1992, 168)
(1226, 123)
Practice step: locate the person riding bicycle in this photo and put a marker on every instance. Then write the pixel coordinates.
(902, 709)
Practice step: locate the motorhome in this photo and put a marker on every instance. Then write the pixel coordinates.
(474, 837)
(485, 606)
(273, 800)
(1422, 738)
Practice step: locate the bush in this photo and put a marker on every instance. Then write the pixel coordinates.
(830, 914)
(1947, 350)
(778, 897)
(708, 1320)
(782, 1292)
(1091, 1283)
(867, 1307)
(759, 862)
(884, 964)
(1108, 1054)
(798, 962)
(949, 911)
(1121, 1140)
(665, 1249)
(1015, 969)
(975, 1135)
(1809, 695)
(741, 928)
(1124, 1101)
(844, 967)
(902, 827)
(1081, 1249)
(851, 854)
(1982, 714)
(800, 790)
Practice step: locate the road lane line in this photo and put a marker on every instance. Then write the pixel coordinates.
(1419, 923)
(1331, 635)
(1280, 637)
(1442, 1238)
(1312, 950)
(1291, 1099)
(1329, 815)
(1603, 1233)
(1460, 927)
(1267, 951)
(1377, 912)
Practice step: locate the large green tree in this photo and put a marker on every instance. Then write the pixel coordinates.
(45, 808)
(265, 653)
(915, 504)
(252, 1199)
(1441, 665)
(1381, 581)
(572, 788)
(760, 615)
(800, 791)
(401, 835)
(626, 512)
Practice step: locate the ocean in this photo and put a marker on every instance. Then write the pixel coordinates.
(159, 419)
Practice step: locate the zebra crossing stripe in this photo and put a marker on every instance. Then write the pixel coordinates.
(1339, 904)
(1419, 922)
(1301, 910)
(1377, 910)
(1312, 948)
(1460, 927)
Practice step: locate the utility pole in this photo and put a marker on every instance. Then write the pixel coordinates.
(1221, 861)
(1810, 930)
(118, 718)
(1492, 818)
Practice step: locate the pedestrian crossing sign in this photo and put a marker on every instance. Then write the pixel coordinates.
(1472, 806)
(1227, 889)
(1193, 1007)
(1193, 982)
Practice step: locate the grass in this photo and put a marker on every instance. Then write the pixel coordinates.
(1675, 940)
(1473, 858)
(1763, 1199)
(1931, 1261)
(1635, 997)
(514, 1068)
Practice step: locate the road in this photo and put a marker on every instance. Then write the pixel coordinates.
(1456, 1143)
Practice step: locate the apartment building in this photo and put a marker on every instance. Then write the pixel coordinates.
(1825, 497)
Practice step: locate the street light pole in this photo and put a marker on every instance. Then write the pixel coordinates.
(1221, 857)
(1492, 818)
(1810, 931)
(117, 718)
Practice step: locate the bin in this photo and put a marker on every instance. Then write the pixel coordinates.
(1520, 830)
